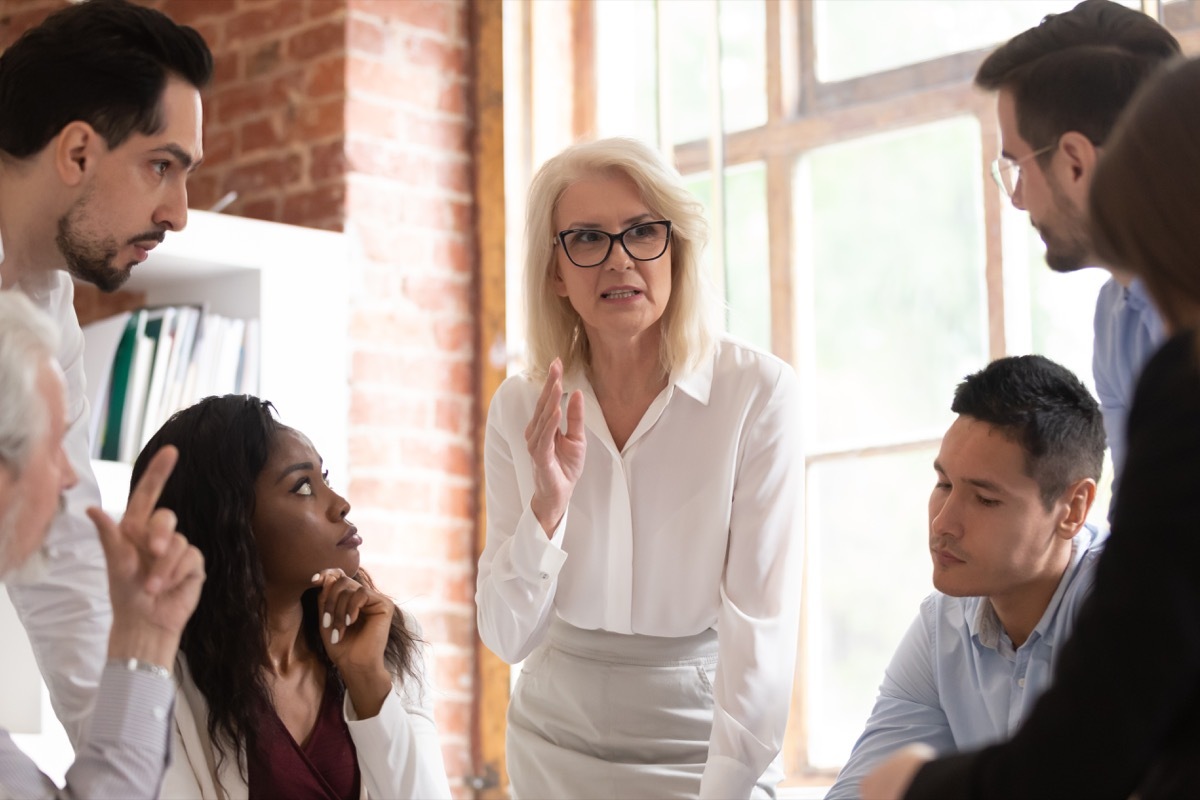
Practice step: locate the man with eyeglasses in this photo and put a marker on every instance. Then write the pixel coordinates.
(1060, 87)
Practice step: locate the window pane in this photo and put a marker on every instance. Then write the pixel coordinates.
(626, 85)
(859, 37)
(747, 262)
(865, 577)
(890, 280)
(744, 63)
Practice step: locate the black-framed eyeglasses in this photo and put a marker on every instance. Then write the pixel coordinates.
(1006, 172)
(587, 247)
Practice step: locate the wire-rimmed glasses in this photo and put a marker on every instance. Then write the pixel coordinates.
(587, 247)
(1006, 172)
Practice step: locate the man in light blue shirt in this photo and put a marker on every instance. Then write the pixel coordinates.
(1013, 561)
(1060, 87)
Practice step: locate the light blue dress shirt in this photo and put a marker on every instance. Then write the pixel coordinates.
(956, 682)
(1127, 331)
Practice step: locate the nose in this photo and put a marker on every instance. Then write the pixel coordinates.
(1018, 195)
(943, 514)
(618, 257)
(338, 508)
(172, 212)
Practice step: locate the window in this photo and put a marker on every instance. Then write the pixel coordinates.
(842, 154)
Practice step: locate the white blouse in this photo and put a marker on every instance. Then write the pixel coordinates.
(695, 524)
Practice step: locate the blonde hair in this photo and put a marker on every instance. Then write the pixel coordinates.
(690, 323)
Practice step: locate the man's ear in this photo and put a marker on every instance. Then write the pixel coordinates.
(1077, 499)
(1075, 164)
(75, 150)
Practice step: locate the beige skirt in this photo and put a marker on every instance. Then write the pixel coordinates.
(596, 714)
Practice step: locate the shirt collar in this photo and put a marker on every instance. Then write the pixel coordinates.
(697, 383)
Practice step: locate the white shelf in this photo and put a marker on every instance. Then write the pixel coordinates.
(294, 280)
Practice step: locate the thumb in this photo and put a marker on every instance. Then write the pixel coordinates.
(110, 534)
(575, 415)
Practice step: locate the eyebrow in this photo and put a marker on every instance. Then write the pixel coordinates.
(181, 155)
(596, 225)
(303, 466)
(979, 483)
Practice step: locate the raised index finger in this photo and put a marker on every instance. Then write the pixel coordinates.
(144, 496)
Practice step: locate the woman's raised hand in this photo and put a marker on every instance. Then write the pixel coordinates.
(355, 620)
(557, 457)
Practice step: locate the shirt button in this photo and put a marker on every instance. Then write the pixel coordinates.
(159, 713)
(1021, 683)
(544, 576)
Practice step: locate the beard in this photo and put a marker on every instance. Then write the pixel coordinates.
(1068, 246)
(92, 259)
(32, 570)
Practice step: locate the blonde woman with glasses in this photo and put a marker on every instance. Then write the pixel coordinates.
(643, 502)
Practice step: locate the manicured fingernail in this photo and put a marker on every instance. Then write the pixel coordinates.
(333, 637)
(347, 620)
(326, 620)
(316, 577)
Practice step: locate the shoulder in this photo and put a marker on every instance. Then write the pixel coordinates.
(738, 360)
(516, 397)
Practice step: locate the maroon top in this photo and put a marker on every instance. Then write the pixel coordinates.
(324, 768)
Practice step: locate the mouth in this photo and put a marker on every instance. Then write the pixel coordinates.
(142, 247)
(946, 558)
(351, 539)
(620, 293)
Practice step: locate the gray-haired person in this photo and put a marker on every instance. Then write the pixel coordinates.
(154, 575)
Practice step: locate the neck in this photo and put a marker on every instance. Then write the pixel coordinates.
(286, 645)
(28, 223)
(629, 367)
(1020, 610)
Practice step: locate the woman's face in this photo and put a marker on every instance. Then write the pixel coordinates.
(620, 298)
(299, 521)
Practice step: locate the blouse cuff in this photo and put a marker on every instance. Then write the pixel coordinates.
(536, 557)
(725, 778)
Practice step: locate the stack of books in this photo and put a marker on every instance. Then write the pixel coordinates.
(145, 365)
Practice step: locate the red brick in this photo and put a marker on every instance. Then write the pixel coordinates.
(189, 12)
(202, 189)
(455, 337)
(452, 716)
(390, 159)
(434, 291)
(220, 146)
(373, 408)
(431, 15)
(365, 36)
(444, 57)
(326, 77)
(213, 34)
(264, 208)
(448, 625)
(327, 161)
(319, 120)
(426, 373)
(310, 204)
(265, 59)
(453, 416)
(268, 18)
(277, 172)
(260, 134)
(227, 69)
(320, 40)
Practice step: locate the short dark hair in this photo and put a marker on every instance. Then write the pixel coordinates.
(103, 62)
(1077, 70)
(1043, 407)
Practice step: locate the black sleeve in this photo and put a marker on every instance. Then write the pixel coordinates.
(1127, 685)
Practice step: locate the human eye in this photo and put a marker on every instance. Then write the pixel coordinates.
(585, 237)
(303, 487)
(942, 486)
(987, 502)
(160, 167)
(325, 478)
(647, 231)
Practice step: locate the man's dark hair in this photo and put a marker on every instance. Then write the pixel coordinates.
(1076, 71)
(103, 62)
(1044, 408)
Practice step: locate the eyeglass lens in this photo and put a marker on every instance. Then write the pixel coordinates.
(589, 248)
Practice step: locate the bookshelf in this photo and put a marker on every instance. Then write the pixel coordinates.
(295, 281)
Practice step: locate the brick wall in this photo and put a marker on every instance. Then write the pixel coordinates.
(354, 115)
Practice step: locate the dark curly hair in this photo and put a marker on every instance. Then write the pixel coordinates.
(224, 443)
